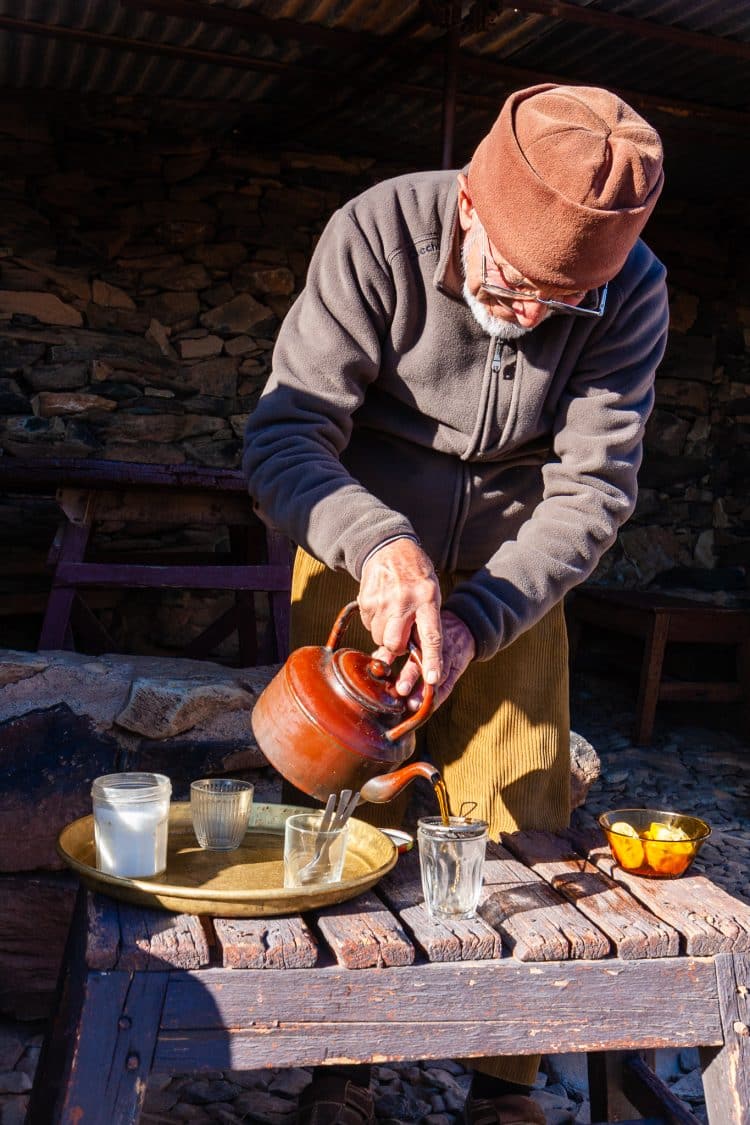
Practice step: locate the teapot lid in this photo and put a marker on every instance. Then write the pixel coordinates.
(368, 682)
(352, 698)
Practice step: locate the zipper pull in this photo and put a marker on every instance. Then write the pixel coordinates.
(497, 358)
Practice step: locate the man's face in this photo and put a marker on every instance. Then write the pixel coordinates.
(507, 317)
(496, 316)
(499, 316)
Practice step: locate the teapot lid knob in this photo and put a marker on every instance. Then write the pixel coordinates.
(379, 670)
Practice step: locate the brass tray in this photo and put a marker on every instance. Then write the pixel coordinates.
(246, 883)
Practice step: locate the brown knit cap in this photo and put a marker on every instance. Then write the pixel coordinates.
(564, 183)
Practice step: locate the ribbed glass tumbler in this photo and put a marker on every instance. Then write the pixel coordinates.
(220, 808)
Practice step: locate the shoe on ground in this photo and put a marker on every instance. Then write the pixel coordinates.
(334, 1100)
(508, 1109)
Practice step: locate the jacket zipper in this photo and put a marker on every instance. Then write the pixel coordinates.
(497, 361)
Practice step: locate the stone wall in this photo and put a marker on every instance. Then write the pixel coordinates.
(143, 279)
(691, 528)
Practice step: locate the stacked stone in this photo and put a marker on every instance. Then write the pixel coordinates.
(142, 283)
(691, 528)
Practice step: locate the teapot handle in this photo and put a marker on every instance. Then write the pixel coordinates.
(425, 708)
(339, 625)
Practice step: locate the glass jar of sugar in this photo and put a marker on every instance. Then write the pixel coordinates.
(131, 814)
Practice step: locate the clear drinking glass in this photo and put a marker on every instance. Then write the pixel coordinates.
(220, 808)
(312, 856)
(131, 817)
(451, 860)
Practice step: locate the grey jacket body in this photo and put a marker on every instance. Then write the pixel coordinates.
(389, 410)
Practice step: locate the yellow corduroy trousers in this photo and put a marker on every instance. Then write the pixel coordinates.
(501, 740)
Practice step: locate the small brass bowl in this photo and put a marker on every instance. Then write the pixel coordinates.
(654, 843)
(403, 841)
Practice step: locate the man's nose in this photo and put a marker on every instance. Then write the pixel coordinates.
(529, 313)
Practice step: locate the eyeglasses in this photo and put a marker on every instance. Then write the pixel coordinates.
(592, 303)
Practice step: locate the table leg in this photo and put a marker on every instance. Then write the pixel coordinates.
(98, 1051)
(611, 1095)
(651, 668)
(726, 1070)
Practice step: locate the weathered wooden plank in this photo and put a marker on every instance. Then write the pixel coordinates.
(190, 506)
(50, 473)
(151, 940)
(491, 1007)
(470, 939)
(102, 932)
(362, 934)
(110, 1049)
(633, 930)
(708, 920)
(135, 576)
(651, 1093)
(726, 1072)
(536, 923)
(265, 943)
(137, 1032)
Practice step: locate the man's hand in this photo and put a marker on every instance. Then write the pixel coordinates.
(399, 593)
(459, 649)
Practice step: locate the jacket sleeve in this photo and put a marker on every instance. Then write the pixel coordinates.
(590, 487)
(327, 354)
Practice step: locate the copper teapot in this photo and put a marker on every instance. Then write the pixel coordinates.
(331, 719)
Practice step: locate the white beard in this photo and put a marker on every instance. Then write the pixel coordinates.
(493, 325)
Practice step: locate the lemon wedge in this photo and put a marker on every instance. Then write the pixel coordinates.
(622, 828)
(667, 848)
(656, 831)
(626, 846)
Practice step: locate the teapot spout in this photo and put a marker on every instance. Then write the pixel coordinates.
(386, 786)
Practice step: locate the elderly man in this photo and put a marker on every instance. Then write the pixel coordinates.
(451, 434)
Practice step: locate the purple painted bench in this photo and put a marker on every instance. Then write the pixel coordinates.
(91, 492)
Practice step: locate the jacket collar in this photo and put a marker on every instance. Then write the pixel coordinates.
(449, 277)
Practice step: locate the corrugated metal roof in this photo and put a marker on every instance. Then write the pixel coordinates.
(361, 76)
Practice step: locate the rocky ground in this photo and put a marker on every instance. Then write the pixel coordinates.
(698, 762)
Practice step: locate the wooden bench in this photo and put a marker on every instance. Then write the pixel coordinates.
(659, 620)
(568, 954)
(91, 492)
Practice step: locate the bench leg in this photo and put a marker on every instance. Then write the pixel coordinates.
(648, 690)
(56, 624)
(98, 1051)
(726, 1070)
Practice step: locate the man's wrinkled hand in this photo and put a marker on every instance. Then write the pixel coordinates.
(459, 649)
(399, 601)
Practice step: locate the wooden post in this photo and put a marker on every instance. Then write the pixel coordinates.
(450, 84)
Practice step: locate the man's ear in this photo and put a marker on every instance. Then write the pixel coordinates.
(465, 206)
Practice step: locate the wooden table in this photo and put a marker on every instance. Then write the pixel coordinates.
(659, 620)
(568, 954)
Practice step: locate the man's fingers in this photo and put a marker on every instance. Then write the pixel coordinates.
(430, 637)
(396, 633)
(408, 678)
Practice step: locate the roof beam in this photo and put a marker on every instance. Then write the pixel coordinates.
(628, 25)
(338, 38)
(515, 77)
